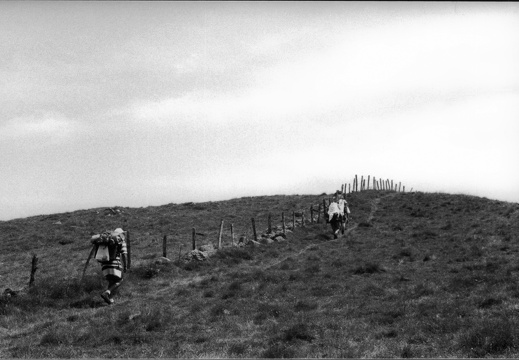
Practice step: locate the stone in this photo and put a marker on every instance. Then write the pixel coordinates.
(207, 248)
(162, 260)
(279, 238)
(267, 241)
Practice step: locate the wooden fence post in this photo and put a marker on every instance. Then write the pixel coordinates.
(232, 234)
(269, 230)
(34, 267)
(283, 221)
(311, 214)
(303, 218)
(392, 188)
(254, 229)
(356, 184)
(349, 188)
(362, 183)
(293, 220)
(342, 188)
(220, 235)
(403, 189)
(194, 239)
(129, 250)
(387, 184)
(368, 182)
(399, 185)
(164, 246)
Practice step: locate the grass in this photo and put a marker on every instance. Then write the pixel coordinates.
(429, 275)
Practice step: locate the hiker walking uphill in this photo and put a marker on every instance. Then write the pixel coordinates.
(111, 253)
(334, 216)
(344, 210)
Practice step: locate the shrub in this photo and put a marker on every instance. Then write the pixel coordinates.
(297, 332)
(369, 268)
(302, 305)
(492, 337)
(237, 349)
(279, 351)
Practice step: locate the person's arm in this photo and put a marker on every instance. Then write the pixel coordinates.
(125, 262)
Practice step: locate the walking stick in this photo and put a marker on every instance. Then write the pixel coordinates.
(88, 260)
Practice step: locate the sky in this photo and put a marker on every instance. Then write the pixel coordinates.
(141, 104)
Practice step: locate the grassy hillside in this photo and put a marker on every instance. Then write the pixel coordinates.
(416, 274)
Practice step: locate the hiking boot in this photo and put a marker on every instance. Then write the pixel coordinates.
(106, 298)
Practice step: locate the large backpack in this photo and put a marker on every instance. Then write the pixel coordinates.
(107, 246)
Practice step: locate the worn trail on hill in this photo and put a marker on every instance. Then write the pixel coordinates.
(374, 208)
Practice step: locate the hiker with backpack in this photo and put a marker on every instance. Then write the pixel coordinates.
(344, 210)
(111, 253)
(334, 216)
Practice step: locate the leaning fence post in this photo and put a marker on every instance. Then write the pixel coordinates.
(283, 221)
(129, 250)
(164, 246)
(254, 230)
(220, 235)
(34, 267)
(194, 238)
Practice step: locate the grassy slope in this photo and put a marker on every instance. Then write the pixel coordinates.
(417, 274)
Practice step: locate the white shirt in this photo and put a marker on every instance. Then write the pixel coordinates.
(333, 208)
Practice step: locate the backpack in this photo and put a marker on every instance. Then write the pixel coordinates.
(108, 246)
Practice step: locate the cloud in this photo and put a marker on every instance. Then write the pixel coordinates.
(45, 127)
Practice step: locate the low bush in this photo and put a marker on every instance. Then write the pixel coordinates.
(297, 332)
(369, 268)
(278, 351)
(489, 338)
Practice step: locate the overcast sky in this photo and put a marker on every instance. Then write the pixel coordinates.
(148, 103)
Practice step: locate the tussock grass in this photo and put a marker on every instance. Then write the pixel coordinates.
(431, 275)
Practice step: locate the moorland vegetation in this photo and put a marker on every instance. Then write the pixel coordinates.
(415, 275)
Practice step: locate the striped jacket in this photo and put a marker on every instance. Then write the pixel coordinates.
(115, 266)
